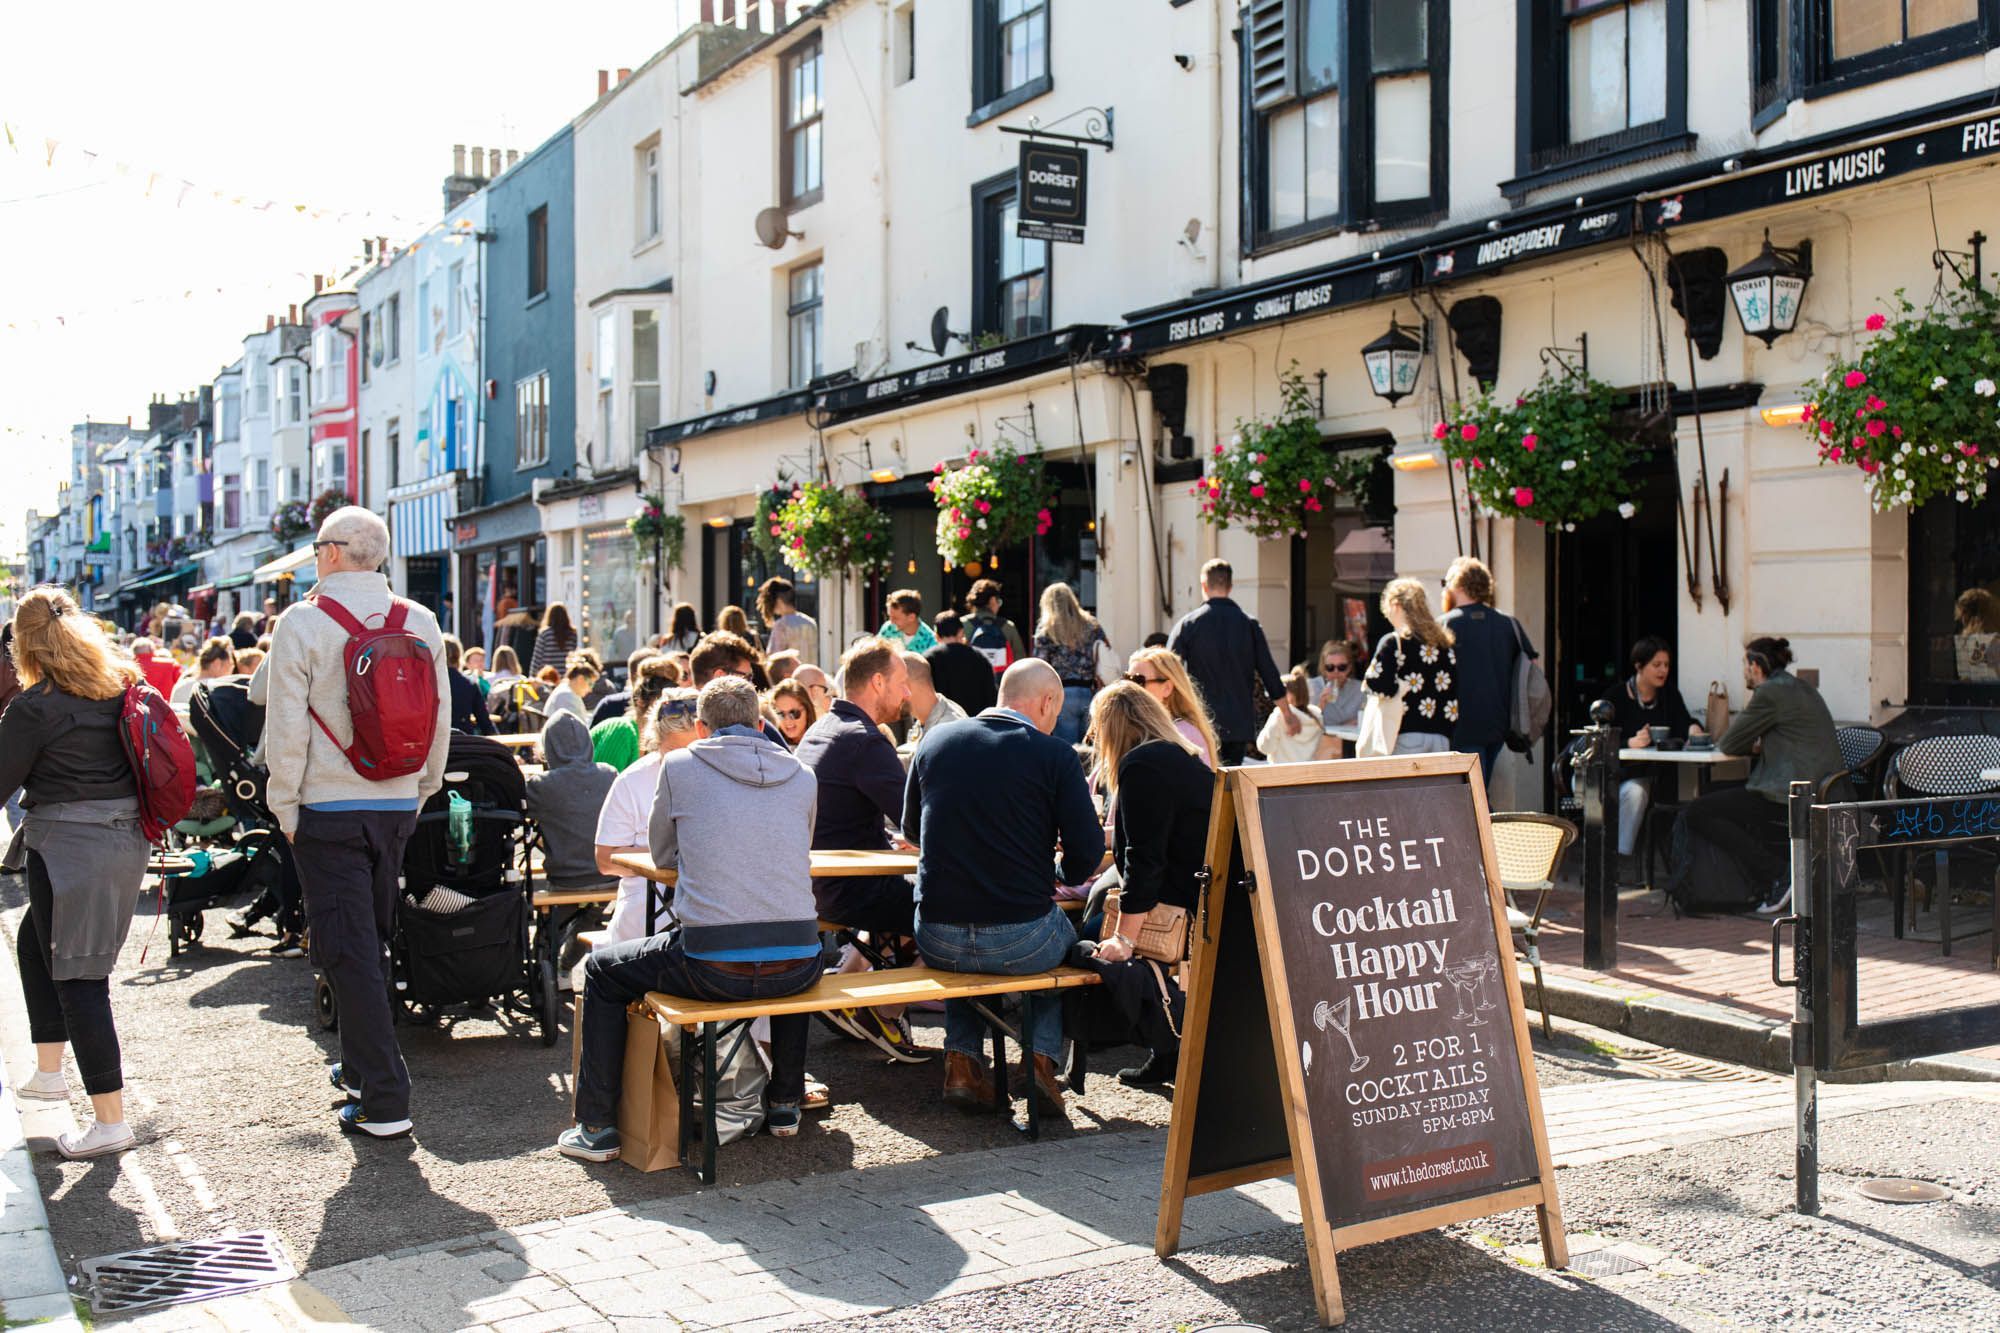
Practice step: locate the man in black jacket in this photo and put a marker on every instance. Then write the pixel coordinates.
(1225, 652)
(992, 801)
(468, 703)
(961, 672)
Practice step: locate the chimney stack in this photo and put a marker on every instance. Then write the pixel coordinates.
(382, 248)
(270, 322)
(479, 163)
(603, 82)
(513, 156)
(458, 159)
(292, 315)
(624, 74)
(319, 283)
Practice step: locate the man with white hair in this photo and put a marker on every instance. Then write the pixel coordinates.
(348, 831)
(990, 801)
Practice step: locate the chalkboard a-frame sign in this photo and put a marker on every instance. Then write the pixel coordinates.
(1397, 1083)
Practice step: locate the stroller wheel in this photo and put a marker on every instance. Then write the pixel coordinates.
(549, 1001)
(326, 1010)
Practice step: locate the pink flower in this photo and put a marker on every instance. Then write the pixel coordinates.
(1860, 412)
(1529, 441)
(1875, 404)
(1218, 451)
(1313, 506)
(1836, 453)
(1262, 457)
(985, 507)
(867, 536)
(1876, 427)
(1043, 516)
(956, 516)
(1021, 461)
(1969, 450)
(1875, 322)
(1523, 497)
(1870, 466)
(1305, 485)
(964, 533)
(1854, 379)
(1437, 431)
(939, 469)
(798, 543)
(1478, 463)
(1256, 492)
(1194, 490)
(1812, 410)
(1896, 431)
(972, 457)
(1468, 432)
(1825, 426)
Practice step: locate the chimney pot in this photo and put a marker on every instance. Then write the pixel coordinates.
(603, 82)
(270, 322)
(319, 283)
(458, 159)
(292, 314)
(479, 163)
(624, 74)
(513, 156)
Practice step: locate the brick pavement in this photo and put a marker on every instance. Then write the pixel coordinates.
(1726, 960)
(836, 1246)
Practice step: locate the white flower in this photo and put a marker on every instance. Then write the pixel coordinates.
(1236, 440)
(1256, 477)
(1961, 497)
(1427, 706)
(1626, 510)
(1900, 474)
(982, 525)
(1938, 383)
(1569, 465)
(1444, 680)
(1428, 653)
(1451, 710)
(1569, 527)
(1984, 388)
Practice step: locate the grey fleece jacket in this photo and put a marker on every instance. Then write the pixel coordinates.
(567, 799)
(735, 812)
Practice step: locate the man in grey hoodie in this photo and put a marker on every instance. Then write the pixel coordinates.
(748, 927)
(566, 800)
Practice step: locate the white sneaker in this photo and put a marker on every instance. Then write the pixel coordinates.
(1778, 904)
(46, 1086)
(97, 1141)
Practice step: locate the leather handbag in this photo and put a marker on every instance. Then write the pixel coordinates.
(1715, 720)
(1162, 934)
(1381, 723)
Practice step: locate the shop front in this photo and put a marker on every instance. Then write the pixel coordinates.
(598, 570)
(503, 568)
(421, 518)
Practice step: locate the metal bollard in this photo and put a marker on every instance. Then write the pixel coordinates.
(1597, 783)
(1805, 1081)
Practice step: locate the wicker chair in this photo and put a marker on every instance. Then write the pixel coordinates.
(1529, 847)
(1942, 766)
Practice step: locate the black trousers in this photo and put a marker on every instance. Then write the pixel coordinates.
(1749, 829)
(883, 904)
(348, 862)
(77, 1012)
(1231, 753)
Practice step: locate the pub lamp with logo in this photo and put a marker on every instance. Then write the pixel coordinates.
(1392, 362)
(1768, 290)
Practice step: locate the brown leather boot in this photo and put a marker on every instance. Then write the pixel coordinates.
(1046, 1085)
(967, 1085)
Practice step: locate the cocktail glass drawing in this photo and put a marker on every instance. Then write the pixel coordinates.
(1466, 977)
(1489, 970)
(1338, 1015)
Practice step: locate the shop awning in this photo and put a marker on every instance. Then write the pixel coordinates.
(233, 581)
(284, 566)
(167, 576)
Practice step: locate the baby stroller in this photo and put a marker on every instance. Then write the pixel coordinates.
(227, 728)
(461, 937)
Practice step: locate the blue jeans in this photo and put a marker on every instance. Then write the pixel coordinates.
(1012, 949)
(1075, 717)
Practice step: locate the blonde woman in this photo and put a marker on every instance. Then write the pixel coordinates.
(1417, 660)
(1161, 673)
(1069, 639)
(1161, 792)
(80, 848)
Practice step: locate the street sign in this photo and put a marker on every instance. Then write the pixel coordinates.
(1397, 1083)
(1052, 192)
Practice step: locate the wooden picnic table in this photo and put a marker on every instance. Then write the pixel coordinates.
(830, 864)
(521, 741)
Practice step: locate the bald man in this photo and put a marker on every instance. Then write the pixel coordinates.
(930, 709)
(995, 803)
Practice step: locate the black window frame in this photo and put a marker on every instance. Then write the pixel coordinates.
(989, 99)
(1357, 208)
(538, 252)
(1812, 21)
(1773, 55)
(794, 308)
(790, 195)
(1543, 154)
(989, 200)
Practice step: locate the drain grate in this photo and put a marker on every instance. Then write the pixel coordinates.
(190, 1270)
(1607, 1262)
(1677, 1065)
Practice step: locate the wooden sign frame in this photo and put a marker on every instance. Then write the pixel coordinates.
(1236, 793)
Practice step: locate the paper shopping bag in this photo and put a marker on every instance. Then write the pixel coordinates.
(649, 1105)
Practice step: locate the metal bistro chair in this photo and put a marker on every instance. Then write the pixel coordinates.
(1529, 847)
(1862, 750)
(1942, 766)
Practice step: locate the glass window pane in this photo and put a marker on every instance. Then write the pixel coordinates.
(812, 142)
(1319, 52)
(645, 347)
(1597, 75)
(607, 350)
(1927, 16)
(1285, 167)
(1646, 61)
(1323, 156)
(1400, 37)
(1402, 138)
(1860, 26)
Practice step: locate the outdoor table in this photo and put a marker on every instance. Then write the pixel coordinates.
(1696, 768)
(1990, 775)
(522, 741)
(830, 864)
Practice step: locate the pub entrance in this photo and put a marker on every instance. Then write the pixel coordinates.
(1341, 565)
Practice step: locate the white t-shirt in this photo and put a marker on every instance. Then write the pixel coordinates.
(623, 821)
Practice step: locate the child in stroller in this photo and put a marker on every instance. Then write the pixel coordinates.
(227, 728)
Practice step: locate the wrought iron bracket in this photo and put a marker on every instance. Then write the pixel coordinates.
(1098, 127)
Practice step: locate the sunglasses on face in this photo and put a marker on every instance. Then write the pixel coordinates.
(1138, 679)
(1339, 668)
(317, 545)
(791, 714)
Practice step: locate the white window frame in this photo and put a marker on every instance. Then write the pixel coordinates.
(650, 214)
(645, 393)
(531, 421)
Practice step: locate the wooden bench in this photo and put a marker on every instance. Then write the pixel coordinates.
(706, 1024)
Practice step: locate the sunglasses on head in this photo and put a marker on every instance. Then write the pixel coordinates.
(681, 708)
(817, 688)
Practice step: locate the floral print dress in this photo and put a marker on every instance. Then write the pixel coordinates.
(1430, 704)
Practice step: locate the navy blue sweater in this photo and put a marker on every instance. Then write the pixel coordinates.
(987, 802)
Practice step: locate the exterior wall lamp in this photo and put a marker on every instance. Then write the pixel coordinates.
(1392, 361)
(1769, 289)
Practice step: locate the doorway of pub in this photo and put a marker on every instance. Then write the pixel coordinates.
(1341, 565)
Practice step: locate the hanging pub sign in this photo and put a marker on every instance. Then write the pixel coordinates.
(1353, 1015)
(1051, 191)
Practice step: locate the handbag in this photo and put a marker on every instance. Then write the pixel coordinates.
(1162, 934)
(1715, 720)
(1381, 723)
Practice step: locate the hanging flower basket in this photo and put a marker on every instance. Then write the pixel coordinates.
(325, 503)
(1274, 475)
(824, 531)
(1554, 455)
(996, 499)
(1916, 412)
(653, 523)
(289, 523)
(764, 535)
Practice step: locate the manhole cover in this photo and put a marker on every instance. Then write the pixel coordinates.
(1898, 1189)
(191, 1270)
(1603, 1263)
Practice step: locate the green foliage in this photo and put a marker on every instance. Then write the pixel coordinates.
(995, 500)
(1553, 455)
(653, 523)
(822, 531)
(1915, 410)
(1273, 475)
(764, 529)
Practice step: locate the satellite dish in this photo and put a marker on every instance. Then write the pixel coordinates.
(941, 334)
(771, 229)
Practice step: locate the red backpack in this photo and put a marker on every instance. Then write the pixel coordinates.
(161, 756)
(392, 693)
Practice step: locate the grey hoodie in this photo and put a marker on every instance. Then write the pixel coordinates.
(735, 812)
(566, 800)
